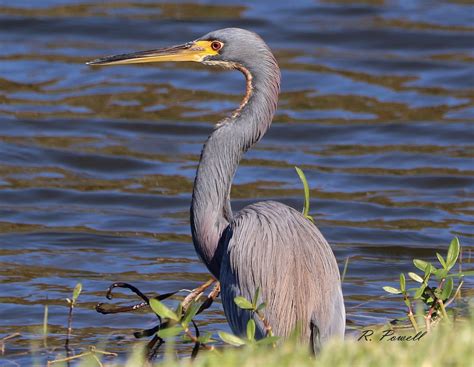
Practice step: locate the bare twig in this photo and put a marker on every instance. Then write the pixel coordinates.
(196, 293)
(205, 305)
(105, 308)
(210, 298)
(155, 343)
(92, 352)
(4, 339)
(128, 286)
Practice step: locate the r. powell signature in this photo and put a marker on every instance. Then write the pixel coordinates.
(390, 336)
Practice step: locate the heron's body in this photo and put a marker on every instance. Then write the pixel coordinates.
(267, 245)
(274, 247)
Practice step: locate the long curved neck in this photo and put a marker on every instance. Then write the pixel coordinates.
(210, 209)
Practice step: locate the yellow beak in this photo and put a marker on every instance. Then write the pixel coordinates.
(191, 51)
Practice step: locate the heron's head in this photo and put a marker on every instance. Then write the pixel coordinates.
(229, 47)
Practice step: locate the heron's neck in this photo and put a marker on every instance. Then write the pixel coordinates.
(210, 209)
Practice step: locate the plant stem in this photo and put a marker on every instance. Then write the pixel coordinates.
(69, 329)
(345, 269)
(410, 311)
(430, 312)
(413, 321)
(443, 310)
(266, 324)
(45, 327)
(460, 270)
(458, 292)
(195, 340)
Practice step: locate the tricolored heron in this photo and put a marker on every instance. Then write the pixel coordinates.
(267, 245)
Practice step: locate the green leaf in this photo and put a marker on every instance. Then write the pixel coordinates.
(440, 273)
(162, 310)
(391, 290)
(186, 338)
(461, 274)
(170, 331)
(306, 193)
(447, 289)
(251, 330)
(243, 303)
(261, 306)
(420, 264)
(453, 253)
(268, 340)
(415, 277)
(206, 338)
(190, 313)
(428, 271)
(420, 291)
(231, 339)
(255, 298)
(402, 282)
(179, 310)
(76, 292)
(441, 260)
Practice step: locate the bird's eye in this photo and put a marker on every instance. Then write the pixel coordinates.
(216, 45)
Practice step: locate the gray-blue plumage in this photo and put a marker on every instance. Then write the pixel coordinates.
(268, 244)
(274, 247)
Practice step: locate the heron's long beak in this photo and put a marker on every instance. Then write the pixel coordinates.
(191, 51)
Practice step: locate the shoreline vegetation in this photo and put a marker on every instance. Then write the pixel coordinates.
(437, 331)
(447, 344)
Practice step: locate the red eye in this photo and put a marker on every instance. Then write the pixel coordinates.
(216, 45)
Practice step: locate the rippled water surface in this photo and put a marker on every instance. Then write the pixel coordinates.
(97, 164)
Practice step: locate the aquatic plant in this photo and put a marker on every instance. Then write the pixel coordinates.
(302, 177)
(92, 353)
(177, 322)
(435, 287)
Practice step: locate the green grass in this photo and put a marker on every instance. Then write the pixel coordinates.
(446, 345)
